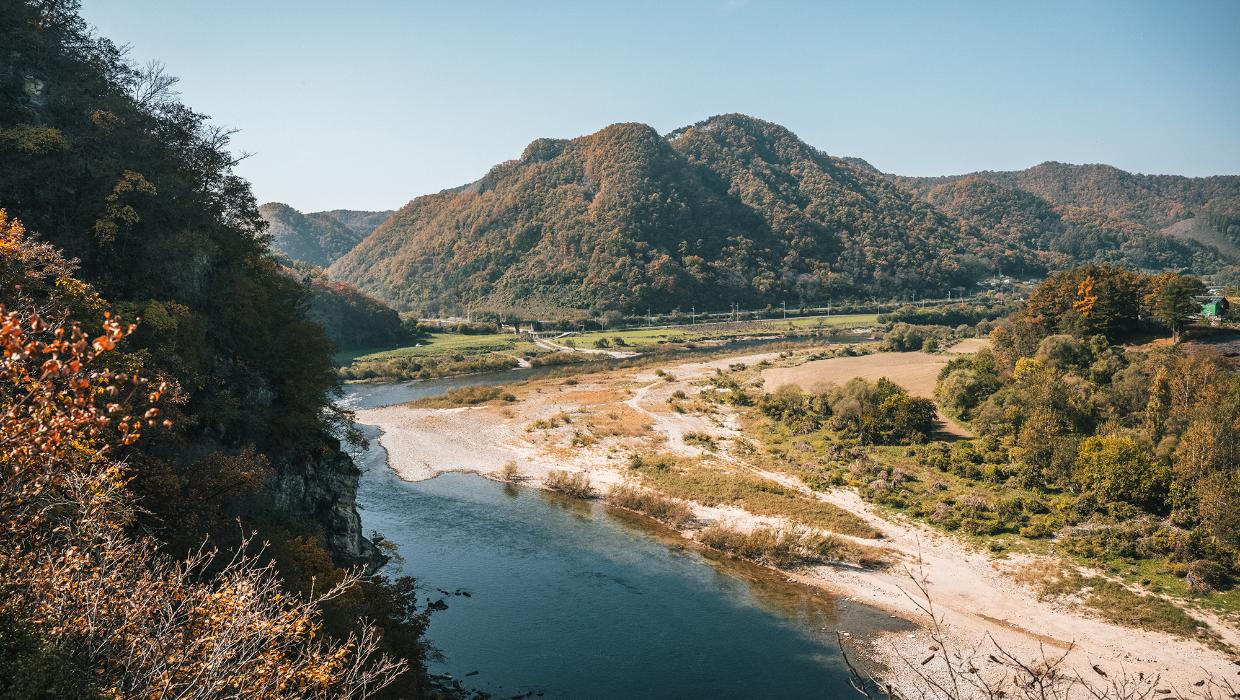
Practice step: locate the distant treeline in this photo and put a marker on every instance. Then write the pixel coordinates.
(953, 315)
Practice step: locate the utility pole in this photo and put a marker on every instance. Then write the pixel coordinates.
(784, 305)
(649, 322)
(692, 315)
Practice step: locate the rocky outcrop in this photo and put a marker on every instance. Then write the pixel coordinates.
(320, 486)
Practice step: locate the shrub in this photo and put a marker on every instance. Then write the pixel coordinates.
(802, 413)
(575, 484)
(784, 547)
(509, 472)
(666, 510)
(1205, 576)
(1117, 468)
(466, 396)
(881, 412)
(702, 440)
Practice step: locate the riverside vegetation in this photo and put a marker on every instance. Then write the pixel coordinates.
(1120, 457)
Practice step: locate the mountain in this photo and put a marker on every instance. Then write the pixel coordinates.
(321, 237)
(730, 209)
(361, 223)
(1154, 201)
(1062, 234)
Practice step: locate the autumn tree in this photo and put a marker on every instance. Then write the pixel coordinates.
(126, 619)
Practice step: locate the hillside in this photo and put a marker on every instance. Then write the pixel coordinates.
(730, 209)
(1155, 201)
(1063, 234)
(321, 237)
(130, 198)
(350, 318)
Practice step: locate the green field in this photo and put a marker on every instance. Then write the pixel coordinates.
(643, 337)
(443, 344)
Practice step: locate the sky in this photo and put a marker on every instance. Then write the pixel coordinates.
(369, 103)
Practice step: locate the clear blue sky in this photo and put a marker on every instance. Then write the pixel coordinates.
(367, 104)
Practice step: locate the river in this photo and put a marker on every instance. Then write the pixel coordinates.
(571, 599)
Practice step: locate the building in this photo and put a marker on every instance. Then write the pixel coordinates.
(1214, 307)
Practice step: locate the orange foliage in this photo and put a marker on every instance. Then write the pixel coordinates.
(143, 624)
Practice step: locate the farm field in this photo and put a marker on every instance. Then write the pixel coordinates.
(915, 371)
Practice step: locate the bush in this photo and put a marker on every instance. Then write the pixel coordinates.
(785, 547)
(1205, 576)
(802, 413)
(881, 412)
(702, 440)
(575, 484)
(1117, 468)
(905, 338)
(666, 510)
(466, 396)
(509, 472)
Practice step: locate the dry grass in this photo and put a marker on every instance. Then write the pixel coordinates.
(785, 548)
(618, 420)
(465, 396)
(692, 480)
(915, 371)
(575, 484)
(1115, 602)
(661, 508)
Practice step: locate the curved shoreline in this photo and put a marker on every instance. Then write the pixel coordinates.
(977, 591)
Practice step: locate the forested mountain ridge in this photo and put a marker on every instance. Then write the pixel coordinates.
(730, 209)
(735, 208)
(1155, 201)
(1063, 234)
(319, 238)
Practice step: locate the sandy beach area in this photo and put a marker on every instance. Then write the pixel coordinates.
(593, 423)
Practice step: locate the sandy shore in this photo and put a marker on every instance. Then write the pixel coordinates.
(593, 425)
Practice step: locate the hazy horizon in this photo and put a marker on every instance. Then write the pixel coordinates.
(366, 109)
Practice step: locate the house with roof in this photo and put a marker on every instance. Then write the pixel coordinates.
(1214, 307)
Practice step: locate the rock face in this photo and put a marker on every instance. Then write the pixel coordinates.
(321, 487)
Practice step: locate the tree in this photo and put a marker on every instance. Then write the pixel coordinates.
(1170, 300)
(130, 620)
(1117, 468)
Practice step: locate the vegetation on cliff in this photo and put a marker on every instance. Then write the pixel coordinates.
(102, 162)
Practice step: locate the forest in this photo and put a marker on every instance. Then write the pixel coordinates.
(122, 207)
(737, 209)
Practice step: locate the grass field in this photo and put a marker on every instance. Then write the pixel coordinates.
(645, 337)
(638, 338)
(915, 371)
(445, 343)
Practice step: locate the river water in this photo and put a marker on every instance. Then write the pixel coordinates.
(571, 599)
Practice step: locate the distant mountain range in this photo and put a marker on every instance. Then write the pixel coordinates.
(318, 237)
(734, 208)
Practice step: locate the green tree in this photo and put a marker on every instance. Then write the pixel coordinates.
(1170, 300)
(1118, 468)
